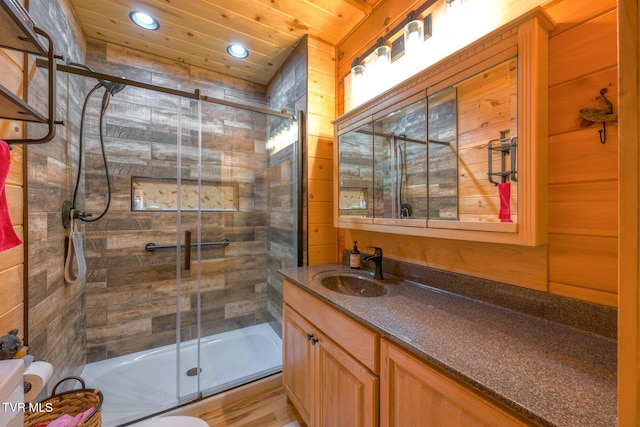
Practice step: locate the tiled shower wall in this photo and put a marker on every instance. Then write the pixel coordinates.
(287, 90)
(131, 293)
(56, 315)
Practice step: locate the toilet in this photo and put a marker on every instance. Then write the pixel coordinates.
(172, 421)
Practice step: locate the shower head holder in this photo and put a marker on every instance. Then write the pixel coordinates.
(69, 214)
(111, 87)
(67, 209)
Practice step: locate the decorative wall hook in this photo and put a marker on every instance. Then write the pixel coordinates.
(592, 115)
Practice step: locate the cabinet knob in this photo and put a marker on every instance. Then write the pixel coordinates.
(309, 336)
(314, 341)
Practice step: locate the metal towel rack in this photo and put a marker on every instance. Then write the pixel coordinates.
(506, 147)
(150, 247)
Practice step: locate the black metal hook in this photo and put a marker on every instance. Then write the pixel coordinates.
(594, 115)
(603, 131)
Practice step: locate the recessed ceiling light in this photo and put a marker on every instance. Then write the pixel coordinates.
(237, 50)
(144, 20)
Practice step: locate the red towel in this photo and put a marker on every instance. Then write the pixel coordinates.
(504, 190)
(8, 236)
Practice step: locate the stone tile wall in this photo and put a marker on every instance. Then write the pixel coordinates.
(129, 300)
(55, 310)
(287, 90)
(132, 298)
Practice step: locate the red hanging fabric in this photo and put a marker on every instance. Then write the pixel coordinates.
(8, 236)
(504, 190)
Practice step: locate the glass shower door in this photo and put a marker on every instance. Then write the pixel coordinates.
(237, 205)
(189, 205)
(183, 299)
(141, 298)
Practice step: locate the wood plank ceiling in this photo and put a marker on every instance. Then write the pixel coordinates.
(197, 32)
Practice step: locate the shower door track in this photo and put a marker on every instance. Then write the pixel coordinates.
(191, 95)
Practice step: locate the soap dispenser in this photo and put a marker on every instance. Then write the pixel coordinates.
(354, 257)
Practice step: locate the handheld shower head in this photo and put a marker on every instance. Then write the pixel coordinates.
(111, 87)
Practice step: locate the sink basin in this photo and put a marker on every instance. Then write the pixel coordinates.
(353, 285)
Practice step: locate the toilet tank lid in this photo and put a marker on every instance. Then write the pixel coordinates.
(10, 377)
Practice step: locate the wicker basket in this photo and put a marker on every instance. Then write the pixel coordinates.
(70, 402)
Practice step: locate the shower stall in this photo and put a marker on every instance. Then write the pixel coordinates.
(183, 299)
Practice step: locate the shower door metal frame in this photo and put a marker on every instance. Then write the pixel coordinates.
(196, 94)
(299, 224)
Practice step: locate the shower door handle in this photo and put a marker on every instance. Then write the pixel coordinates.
(187, 249)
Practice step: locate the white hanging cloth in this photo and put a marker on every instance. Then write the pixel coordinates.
(75, 266)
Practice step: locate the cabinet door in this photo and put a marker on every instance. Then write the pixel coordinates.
(345, 393)
(296, 361)
(414, 394)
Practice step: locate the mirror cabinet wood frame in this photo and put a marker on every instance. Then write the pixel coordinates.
(525, 38)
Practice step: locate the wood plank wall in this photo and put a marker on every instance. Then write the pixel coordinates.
(478, 122)
(583, 173)
(322, 236)
(580, 260)
(12, 260)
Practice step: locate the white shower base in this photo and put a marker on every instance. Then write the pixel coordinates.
(145, 383)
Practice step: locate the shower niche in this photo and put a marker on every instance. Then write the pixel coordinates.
(160, 194)
(415, 160)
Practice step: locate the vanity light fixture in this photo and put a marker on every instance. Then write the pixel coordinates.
(404, 38)
(237, 50)
(413, 33)
(144, 20)
(358, 82)
(383, 53)
(357, 70)
(381, 71)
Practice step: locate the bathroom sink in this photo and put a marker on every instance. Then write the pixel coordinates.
(354, 285)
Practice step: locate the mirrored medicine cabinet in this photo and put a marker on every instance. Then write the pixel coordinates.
(458, 151)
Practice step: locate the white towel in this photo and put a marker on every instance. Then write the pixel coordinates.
(75, 266)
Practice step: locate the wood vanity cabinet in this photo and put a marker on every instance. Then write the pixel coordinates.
(414, 394)
(331, 381)
(296, 360)
(337, 372)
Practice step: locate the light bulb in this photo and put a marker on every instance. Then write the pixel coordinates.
(413, 36)
(144, 20)
(358, 84)
(383, 55)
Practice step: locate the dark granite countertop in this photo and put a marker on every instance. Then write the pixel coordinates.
(549, 373)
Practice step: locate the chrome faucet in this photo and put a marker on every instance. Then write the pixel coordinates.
(376, 257)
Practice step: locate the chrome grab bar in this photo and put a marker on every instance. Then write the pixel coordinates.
(150, 247)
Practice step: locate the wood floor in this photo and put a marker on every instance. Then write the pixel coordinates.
(269, 409)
